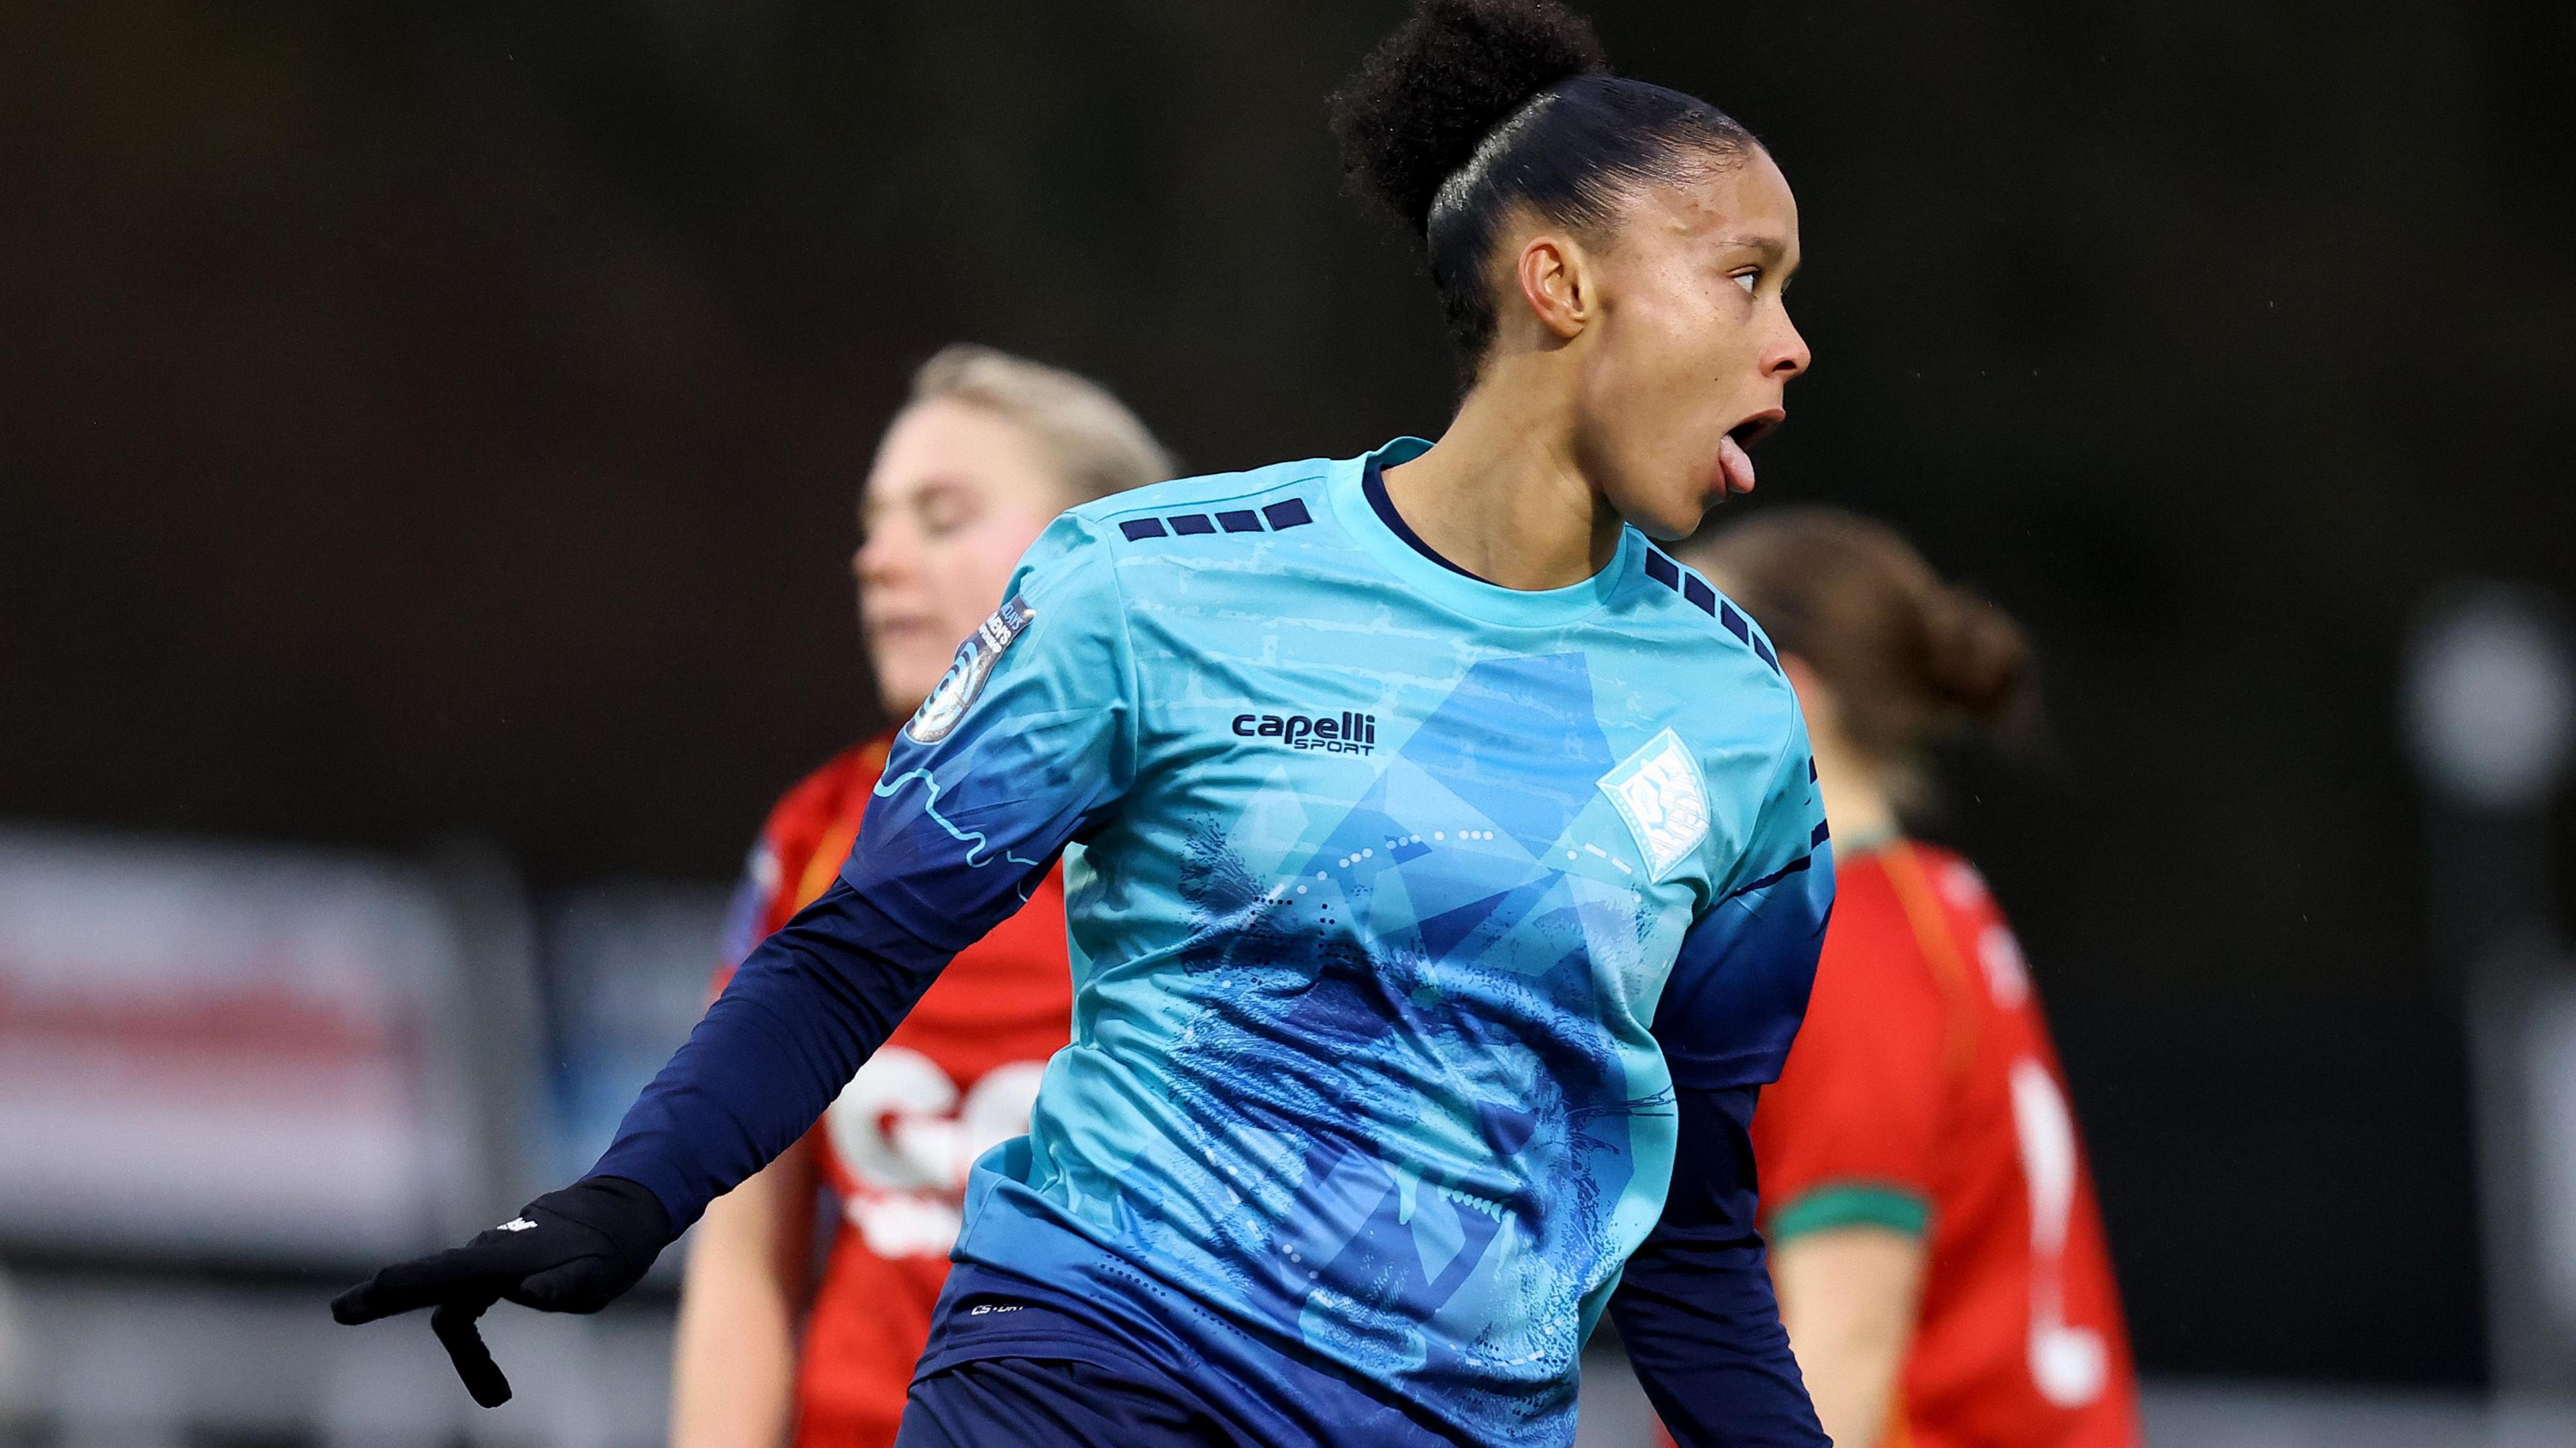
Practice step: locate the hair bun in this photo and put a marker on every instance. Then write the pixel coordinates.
(1976, 656)
(1456, 69)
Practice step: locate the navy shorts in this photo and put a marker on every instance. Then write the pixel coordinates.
(1001, 1402)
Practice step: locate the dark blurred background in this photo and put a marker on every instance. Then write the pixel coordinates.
(435, 422)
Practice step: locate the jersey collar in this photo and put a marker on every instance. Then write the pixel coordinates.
(1465, 593)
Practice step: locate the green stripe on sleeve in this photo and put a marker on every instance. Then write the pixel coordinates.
(1854, 1204)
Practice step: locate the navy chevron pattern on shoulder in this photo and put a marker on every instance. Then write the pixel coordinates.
(1270, 517)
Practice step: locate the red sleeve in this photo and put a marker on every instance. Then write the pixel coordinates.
(780, 859)
(1859, 1103)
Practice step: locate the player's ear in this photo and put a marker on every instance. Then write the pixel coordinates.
(1558, 281)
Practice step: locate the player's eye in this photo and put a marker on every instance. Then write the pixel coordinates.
(1749, 280)
(945, 510)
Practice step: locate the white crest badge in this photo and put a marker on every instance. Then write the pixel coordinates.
(976, 657)
(1657, 791)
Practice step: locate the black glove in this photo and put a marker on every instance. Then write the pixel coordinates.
(569, 1251)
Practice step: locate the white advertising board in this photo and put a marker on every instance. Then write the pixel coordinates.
(224, 1050)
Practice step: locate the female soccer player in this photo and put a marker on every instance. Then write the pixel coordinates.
(989, 449)
(1934, 1236)
(1443, 866)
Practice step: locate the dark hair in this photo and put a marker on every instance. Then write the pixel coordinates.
(1905, 654)
(1474, 107)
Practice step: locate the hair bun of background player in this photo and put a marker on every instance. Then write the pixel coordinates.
(1975, 656)
(1456, 69)
(1905, 654)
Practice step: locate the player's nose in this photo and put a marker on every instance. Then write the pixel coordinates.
(1788, 355)
(884, 560)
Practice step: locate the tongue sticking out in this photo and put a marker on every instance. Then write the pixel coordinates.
(1737, 464)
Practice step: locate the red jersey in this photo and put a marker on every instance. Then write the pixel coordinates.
(1923, 1094)
(956, 1077)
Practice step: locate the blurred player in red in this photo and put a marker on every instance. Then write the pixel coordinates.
(1934, 1237)
(989, 449)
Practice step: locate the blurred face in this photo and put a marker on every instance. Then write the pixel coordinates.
(1685, 367)
(956, 496)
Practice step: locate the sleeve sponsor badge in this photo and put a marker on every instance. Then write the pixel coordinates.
(966, 676)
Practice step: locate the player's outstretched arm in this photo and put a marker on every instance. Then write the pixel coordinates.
(1027, 743)
(807, 1007)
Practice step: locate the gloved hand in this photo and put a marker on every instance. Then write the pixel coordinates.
(569, 1251)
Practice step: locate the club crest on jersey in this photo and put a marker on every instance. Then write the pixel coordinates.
(976, 658)
(1657, 791)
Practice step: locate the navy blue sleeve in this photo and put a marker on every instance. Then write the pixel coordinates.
(1024, 745)
(1695, 1306)
(795, 1023)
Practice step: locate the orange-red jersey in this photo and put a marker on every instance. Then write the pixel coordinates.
(1923, 1095)
(956, 1077)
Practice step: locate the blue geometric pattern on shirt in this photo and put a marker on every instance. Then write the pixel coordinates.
(1368, 1245)
(1397, 1238)
(1475, 744)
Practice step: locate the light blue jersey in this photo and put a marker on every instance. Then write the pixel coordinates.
(1400, 904)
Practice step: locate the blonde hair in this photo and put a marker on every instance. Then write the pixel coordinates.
(1098, 445)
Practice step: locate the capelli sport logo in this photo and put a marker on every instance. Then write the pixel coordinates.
(1343, 733)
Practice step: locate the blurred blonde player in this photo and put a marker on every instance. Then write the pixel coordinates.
(1934, 1237)
(987, 452)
